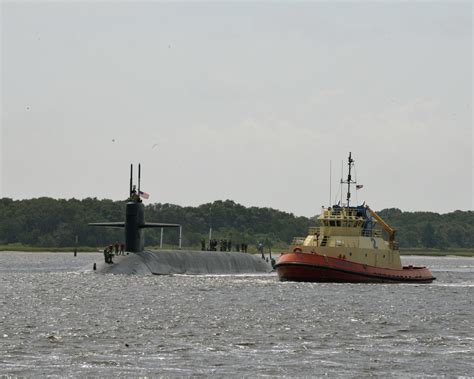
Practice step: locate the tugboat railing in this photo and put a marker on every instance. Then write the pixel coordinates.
(340, 213)
(313, 230)
(298, 240)
(371, 233)
(316, 231)
(318, 235)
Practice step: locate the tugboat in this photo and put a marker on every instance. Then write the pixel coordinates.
(352, 244)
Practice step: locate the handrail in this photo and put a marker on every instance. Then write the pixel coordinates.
(298, 240)
(313, 230)
(341, 216)
(316, 231)
(371, 233)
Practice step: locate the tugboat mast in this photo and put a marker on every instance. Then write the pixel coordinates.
(349, 179)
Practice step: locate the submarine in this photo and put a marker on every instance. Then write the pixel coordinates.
(139, 261)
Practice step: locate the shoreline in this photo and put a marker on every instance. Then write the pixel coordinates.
(88, 250)
(434, 253)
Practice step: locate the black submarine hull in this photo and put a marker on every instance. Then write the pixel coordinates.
(186, 262)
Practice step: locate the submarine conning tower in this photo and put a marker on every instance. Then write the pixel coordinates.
(135, 218)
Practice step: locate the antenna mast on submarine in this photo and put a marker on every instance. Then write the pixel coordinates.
(131, 179)
(139, 176)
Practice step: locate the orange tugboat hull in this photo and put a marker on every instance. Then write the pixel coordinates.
(311, 267)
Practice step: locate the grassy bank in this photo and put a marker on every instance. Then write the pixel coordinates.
(427, 252)
(438, 253)
(88, 249)
(40, 249)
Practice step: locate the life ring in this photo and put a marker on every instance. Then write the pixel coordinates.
(297, 250)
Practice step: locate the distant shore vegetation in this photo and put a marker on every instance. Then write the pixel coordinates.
(46, 223)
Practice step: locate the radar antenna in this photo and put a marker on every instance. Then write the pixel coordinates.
(349, 180)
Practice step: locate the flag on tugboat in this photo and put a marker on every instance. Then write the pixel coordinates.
(359, 186)
(144, 195)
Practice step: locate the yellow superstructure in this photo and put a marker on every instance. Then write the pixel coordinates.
(353, 234)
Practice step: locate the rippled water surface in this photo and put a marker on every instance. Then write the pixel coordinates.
(58, 320)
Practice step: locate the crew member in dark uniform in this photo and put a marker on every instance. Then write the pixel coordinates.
(111, 253)
(106, 254)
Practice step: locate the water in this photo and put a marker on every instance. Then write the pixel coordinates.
(57, 320)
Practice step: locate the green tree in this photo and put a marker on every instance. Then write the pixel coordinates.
(55, 223)
(428, 238)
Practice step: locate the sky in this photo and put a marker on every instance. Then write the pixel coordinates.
(248, 101)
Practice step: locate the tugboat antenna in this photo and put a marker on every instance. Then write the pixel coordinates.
(342, 175)
(349, 180)
(330, 177)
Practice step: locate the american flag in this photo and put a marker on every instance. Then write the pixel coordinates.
(359, 186)
(144, 195)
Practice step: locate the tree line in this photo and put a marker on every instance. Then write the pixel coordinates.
(47, 222)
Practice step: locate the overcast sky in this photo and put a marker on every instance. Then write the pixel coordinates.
(242, 101)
